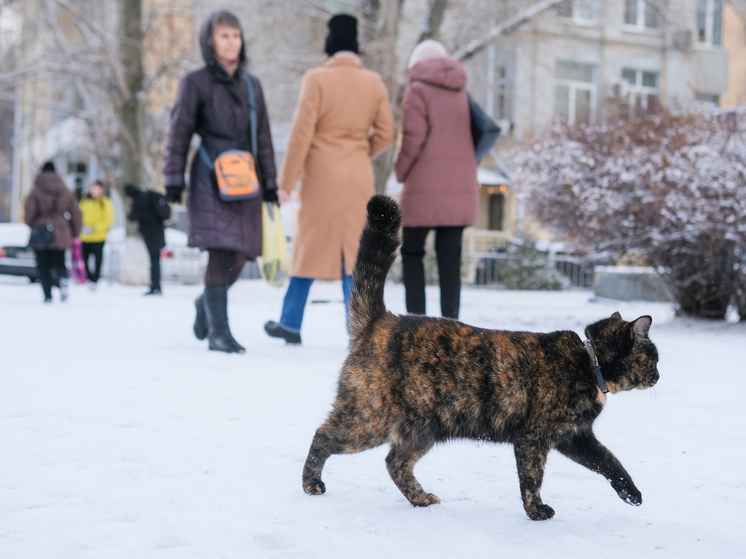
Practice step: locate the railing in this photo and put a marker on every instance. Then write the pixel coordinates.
(489, 268)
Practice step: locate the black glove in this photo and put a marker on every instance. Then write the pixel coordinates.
(173, 194)
(271, 196)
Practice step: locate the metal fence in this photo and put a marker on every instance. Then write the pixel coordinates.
(489, 268)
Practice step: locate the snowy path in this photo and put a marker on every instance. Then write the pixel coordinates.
(121, 436)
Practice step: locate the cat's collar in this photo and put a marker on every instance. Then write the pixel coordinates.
(596, 367)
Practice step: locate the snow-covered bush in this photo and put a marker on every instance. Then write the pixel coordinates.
(526, 267)
(670, 186)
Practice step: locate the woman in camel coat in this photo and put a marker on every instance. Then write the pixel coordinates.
(342, 121)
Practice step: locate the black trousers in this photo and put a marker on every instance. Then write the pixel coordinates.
(51, 267)
(97, 250)
(155, 269)
(448, 253)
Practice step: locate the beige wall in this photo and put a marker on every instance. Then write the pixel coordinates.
(734, 41)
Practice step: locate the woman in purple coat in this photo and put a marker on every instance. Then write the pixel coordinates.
(213, 102)
(437, 166)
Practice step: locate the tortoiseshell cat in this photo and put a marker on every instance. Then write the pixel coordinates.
(413, 381)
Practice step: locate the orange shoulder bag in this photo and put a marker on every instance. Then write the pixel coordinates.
(234, 170)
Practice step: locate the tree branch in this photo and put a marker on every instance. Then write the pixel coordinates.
(506, 27)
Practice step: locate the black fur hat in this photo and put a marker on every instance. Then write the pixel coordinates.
(48, 167)
(342, 34)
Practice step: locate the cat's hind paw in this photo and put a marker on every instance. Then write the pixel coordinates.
(314, 487)
(542, 512)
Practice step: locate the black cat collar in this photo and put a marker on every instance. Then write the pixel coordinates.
(596, 367)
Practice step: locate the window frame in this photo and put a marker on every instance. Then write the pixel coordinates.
(573, 87)
(710, 23)
(639, 89)
(574, 15)
(640, 25)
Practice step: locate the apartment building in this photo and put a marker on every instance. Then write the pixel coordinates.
(566, 63)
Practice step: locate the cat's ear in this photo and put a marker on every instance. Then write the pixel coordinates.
(641, 326)
(616, 315)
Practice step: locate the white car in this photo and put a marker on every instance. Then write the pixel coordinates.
(16, 259)
(179, 262)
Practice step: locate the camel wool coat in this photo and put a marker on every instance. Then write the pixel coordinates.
(342, 121)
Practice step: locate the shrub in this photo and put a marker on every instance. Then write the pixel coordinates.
(670, 186)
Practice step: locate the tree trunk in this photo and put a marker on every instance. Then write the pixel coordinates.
(132, 127)
(380, 36)
(131, 109)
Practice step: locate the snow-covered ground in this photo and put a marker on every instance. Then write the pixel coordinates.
(121, 436)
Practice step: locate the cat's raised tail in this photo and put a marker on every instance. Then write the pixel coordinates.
(377, 252)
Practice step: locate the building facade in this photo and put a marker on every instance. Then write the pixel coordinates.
(565, 63)
(572, 59)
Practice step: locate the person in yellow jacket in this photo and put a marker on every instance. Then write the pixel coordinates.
(98, 215)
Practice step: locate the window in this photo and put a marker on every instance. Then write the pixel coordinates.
(642, 89)
(640, 15)
(10, 26)
(574, 91)
(496, 84)
(496, 211)
(708, 98)
(710, 22)
(502, 100)
(580, 11)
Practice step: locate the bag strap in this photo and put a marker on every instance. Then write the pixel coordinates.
(50, 217)
(252, 123)
(252, 114)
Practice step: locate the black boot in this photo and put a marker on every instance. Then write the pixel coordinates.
(200, 321)
(216, 309)
(276, 330)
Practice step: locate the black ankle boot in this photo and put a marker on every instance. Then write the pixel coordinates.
(216, 310)
(276, 330)
(200, 321)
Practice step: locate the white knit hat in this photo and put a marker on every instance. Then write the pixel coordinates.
(425, 50)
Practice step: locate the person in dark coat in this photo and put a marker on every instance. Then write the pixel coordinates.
(50, 200)
(213, 102)
(437, 166)
(150, 210)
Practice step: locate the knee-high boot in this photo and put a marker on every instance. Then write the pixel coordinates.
(216, 309)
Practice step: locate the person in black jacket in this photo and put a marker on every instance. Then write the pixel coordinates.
(150, 210)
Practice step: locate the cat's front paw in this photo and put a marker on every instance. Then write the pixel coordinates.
(631, 496)
(314, 487)
(542, 512)
(425, 500)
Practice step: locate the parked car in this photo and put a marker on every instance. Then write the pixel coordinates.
(16, 259)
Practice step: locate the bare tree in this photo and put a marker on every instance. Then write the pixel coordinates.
(504, 28)
(381, 35)
(102, 78)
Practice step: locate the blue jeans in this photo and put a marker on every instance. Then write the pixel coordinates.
(294, 303)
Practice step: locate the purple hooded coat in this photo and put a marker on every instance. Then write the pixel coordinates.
(215, 106)
(67, 219)
(436, 160)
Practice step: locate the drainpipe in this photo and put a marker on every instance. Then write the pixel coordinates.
(15, 185)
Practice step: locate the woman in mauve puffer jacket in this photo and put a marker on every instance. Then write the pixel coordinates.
(437, 166)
